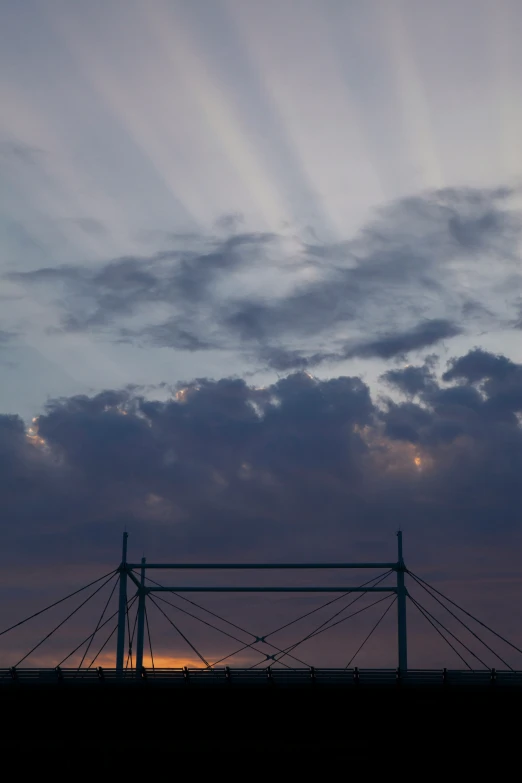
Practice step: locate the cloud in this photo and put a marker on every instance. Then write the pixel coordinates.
(425, 269)
(302, 468)
(411, 380)
(388, 346)
(478, 365)
(230, 223)
(394, 345)
(19, 152)
(6, 337)
(223, 452)
(91, 226)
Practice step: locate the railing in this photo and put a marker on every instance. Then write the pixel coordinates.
(351, 678)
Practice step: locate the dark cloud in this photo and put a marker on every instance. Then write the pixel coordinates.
(397, 285)
(401, 344)
(223, 450)
(412, 380)
(6, 337)
(230, 223)
(390, 346)
(91, 226)
(24, 153)
(303, 468)
(479, 365)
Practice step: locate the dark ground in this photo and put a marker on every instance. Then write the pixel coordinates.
(258, 723)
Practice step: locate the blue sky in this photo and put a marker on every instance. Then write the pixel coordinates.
(125, 126)
(226, 209)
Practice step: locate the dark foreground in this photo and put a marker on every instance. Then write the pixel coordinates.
(226, 723)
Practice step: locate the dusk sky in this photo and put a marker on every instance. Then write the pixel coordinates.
(261, 294)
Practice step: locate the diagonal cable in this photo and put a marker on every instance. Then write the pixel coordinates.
(321, 629)
(461, 622)
(148, 635)
(332, 601)
(421, 610)
(340, 611)
(468, 613)
(203, 608)
(91, 636)
(107, 640)
(307, 614)
(98, 625)
(131, 638)
(231, 636)
(64, 621)
(454, 636)
(57, 602)
(129, 651)
(379, 621)
(180, 633)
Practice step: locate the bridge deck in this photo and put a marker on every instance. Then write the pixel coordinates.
(300, 678)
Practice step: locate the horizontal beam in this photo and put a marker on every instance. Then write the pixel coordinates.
(271, 589)
(260, 566)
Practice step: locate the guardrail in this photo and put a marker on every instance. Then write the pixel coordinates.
(185, 677)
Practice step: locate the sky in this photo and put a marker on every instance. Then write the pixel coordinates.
(260, 292)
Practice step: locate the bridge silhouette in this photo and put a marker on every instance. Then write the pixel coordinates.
(277, 666)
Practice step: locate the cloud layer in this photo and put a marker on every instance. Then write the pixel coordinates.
(423, 270)
(302, 468)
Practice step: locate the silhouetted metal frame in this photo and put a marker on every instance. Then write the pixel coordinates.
(127, 571)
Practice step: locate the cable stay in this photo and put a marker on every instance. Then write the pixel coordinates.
(440, 633)
(65, 620)
(380, 579)
(454, 636)
(98, 625)
(287, 650)
(320, 628)
(231, 636)
(379, 621)
(150, 641)
(180, 633)
(107, 640)
(129, 637)
(428, 588)
(246, 645)
(71, 595)
(91, 636)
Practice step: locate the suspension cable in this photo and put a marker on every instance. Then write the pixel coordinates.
(340, 611)
(419, 582)
(203, 608)
(231, 636)
(148, 634)
(456, 638)
(107, 640)
(180, 633)
(421, 610)
(381, 618)
(321, 629)
(91, 636)
(131, 637)
(64, 621)
(98, 625)
(333, 600)
(129, 652)
(57, 602)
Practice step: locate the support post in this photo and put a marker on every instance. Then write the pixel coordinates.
(141, 620)
(401, 608)
(122, 608)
